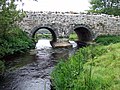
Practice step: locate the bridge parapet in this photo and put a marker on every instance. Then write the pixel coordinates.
(63, 24)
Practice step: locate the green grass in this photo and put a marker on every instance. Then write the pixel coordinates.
(107, 39)
(41, 36)
(73, 37)
(91, 68)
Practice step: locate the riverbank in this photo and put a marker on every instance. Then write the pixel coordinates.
(91, 68)
(78, 72)
(15, 42)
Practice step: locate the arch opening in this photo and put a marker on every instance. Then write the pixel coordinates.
(83, 34)
(43, 36)
(44, 32)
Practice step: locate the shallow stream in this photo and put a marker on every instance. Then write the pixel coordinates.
(31, 71)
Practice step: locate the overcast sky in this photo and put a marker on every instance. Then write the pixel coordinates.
(56, 5)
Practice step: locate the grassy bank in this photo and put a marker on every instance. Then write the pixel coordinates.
(107, 39)
(91, 68)
(42, 36)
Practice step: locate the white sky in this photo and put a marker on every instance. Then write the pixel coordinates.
(56, 5)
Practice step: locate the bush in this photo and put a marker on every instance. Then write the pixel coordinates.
(107, 39)
(15, 41)
(91, 68)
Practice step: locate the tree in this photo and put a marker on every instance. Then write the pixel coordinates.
(8, 16)
(111, 7)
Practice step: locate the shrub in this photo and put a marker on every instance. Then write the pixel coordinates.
(16, 41)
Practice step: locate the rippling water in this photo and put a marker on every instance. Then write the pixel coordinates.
(32, 71)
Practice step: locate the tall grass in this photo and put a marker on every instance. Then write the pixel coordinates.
(107, 39)
(91, 68)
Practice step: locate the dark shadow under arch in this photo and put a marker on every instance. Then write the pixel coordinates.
(54, 38)
(84, 34)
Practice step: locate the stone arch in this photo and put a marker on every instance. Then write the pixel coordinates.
(83, 32)
(35, 29)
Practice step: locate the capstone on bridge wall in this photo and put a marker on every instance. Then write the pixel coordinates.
(64, 23)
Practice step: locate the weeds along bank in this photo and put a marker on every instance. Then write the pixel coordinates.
(91, 68)
(15, 41)
(107, 39)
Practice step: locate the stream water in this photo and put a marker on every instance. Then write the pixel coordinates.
(31, 71)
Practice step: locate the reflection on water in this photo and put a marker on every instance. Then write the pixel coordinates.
(43, 43)
(32, 71)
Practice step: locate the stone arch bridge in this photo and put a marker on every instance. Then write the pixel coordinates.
(61, 25)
